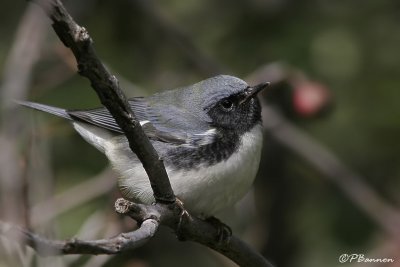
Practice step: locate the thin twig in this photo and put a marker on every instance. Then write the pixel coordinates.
(117, 244)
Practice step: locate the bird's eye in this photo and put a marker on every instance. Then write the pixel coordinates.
(227, 105)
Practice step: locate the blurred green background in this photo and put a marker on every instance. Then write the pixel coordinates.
(299, 218)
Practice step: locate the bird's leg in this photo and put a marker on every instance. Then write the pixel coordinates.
(184, 215)
(224, 232)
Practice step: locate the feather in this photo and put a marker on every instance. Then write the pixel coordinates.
(159, 122)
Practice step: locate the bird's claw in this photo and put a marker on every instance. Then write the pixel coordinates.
(184, 212)
(184, 215)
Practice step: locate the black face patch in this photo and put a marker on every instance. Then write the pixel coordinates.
(234, 115)
(231, 119)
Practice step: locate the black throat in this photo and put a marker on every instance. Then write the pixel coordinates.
(230, 128)
(224, 145)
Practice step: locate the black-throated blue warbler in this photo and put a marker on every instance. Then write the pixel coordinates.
(208, 134)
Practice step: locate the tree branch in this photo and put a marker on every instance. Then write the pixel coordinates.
(194, 229)
(149, 216)
(117, 244)
(110, 94)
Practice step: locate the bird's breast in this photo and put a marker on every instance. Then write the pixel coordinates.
(204, 189)
(210, 188)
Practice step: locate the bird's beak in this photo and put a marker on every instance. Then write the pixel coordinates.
(253, 91)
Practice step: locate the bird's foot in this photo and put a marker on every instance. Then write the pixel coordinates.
(224, 232)
(184, 212)
(184, 215)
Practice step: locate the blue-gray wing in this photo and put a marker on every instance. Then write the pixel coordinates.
(160, 122)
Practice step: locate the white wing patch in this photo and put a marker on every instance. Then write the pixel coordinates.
(205, 138)
(143, 122)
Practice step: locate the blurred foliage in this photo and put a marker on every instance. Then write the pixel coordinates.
(350, 46)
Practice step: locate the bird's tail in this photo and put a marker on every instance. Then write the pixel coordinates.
(49, 109)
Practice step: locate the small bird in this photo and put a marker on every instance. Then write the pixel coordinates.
(209, 136)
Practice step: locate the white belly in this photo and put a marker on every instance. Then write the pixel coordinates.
(203, 191)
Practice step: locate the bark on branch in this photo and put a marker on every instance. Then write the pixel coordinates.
(149, 217)
(114, 245)
(165, 211)
(110, 94)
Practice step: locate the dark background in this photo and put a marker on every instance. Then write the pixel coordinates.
(294, 215)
